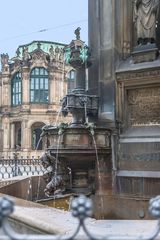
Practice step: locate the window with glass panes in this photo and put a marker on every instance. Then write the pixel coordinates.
(39, 85)
(71, 80)
(16, 89)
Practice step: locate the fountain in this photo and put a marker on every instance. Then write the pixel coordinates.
(78, 154)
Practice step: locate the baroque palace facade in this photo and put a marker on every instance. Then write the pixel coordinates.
(31, 87)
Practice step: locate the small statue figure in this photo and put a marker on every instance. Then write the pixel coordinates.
(52, 54)
(61, 55)
(56, 185)
(4, 59)
(145, 18)
(54, 174)
(39, 45)
(57, 51)
(26, 55)
(18, 53)
(77, 33)
(84, 53)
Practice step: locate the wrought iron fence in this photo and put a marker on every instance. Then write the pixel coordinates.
(11, 167)
(81, 209)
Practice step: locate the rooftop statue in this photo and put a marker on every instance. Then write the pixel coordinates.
(145, 19)
(77, 33)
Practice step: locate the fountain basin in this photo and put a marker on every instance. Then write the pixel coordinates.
(78, 138)
(86, 153)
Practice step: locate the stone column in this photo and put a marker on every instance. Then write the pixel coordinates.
(12, 136)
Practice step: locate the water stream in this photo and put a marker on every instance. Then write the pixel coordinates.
(57, 153)
(99, 177)
(85, 111)
(38, 187)
(58, 115)
(40, 139)
(29, 189)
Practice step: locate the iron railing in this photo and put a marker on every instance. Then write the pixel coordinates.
(81, 209)
(11, 167)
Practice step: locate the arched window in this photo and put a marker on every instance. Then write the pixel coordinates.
(16, 89)
(39, 85)
(71, 79)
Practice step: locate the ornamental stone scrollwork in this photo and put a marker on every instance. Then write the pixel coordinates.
(16, 65)
(39, 57)
(143, 106)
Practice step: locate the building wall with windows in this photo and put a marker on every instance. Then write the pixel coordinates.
(31, 87)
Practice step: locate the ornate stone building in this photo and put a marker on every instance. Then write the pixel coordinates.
(31, 86)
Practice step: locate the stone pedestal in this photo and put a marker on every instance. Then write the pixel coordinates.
(144, 53)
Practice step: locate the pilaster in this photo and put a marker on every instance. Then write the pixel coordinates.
(12, 136)
(6, 133)
(25, 88)
(6, 90)
(26, 136)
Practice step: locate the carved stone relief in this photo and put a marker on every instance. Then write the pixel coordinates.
(143, 106)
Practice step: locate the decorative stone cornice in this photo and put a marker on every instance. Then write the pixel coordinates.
(143, 73)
